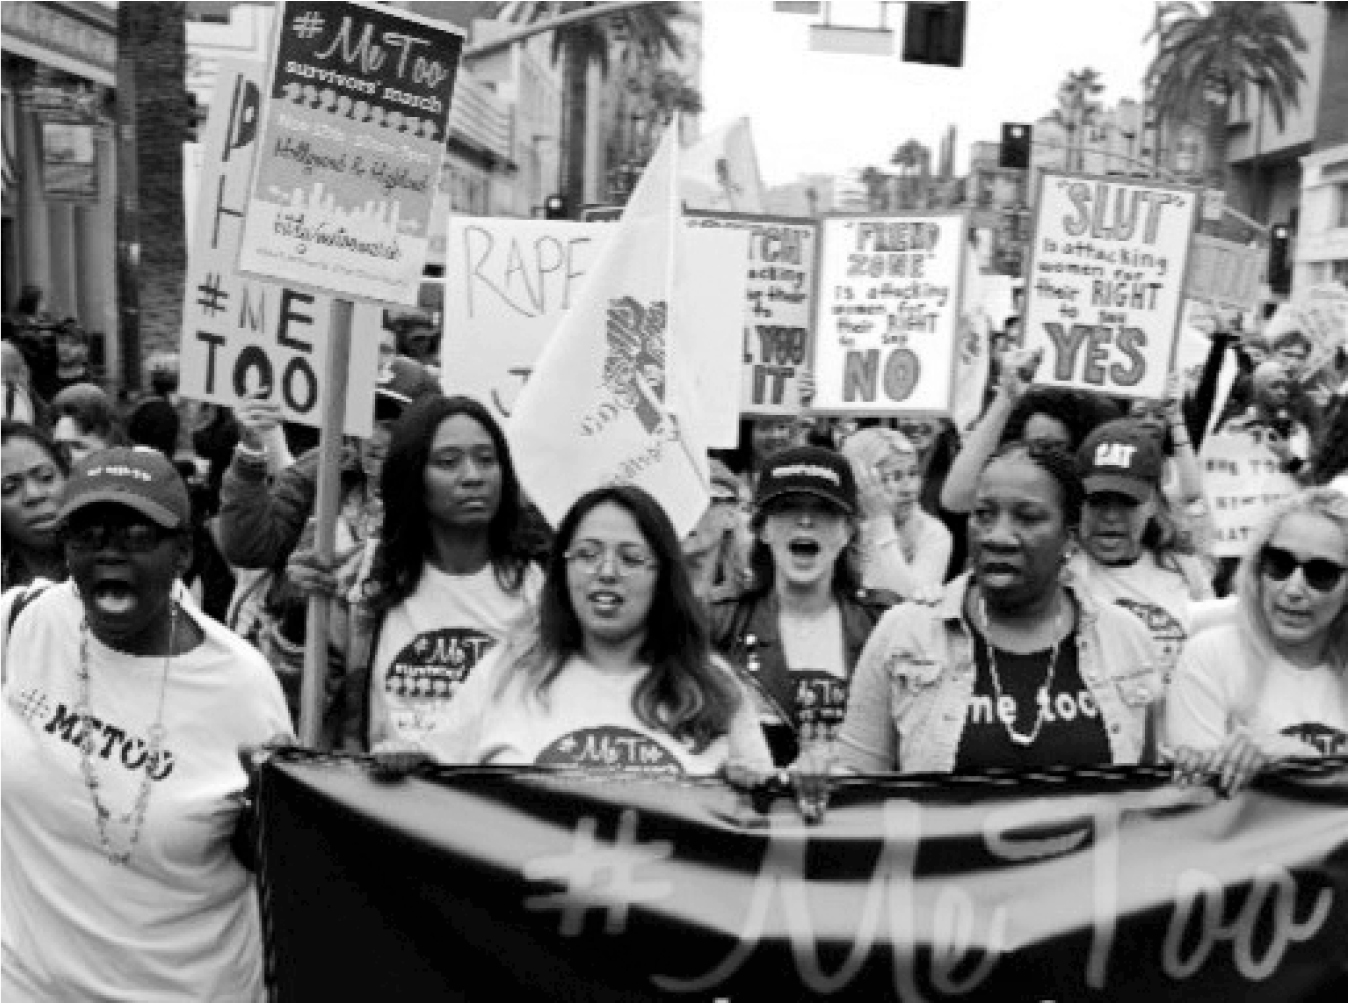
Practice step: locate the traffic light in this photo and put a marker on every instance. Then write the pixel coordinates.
(554, 207)
(1280, 259)
(933, 33)
(1015, 148)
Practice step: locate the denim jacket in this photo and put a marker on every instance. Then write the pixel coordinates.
(912, 687)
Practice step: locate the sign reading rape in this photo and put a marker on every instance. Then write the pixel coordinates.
(350, 148)
(1106, 281)
(241, 336)
(887, 313)
(778, 307)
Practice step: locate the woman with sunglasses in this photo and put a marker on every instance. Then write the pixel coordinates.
(125, 710)
(619, 674)
(1272, 684)
(35, 471)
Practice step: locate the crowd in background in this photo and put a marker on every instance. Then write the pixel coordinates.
(1038, 590)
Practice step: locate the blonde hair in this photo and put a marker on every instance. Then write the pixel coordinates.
(868, 447)
(1252, 622)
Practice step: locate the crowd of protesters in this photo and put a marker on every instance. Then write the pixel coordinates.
(1036, 591)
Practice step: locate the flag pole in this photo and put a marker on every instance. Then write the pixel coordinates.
(313, 682)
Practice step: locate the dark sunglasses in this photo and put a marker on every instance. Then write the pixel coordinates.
(132, 538)
(1321, 574)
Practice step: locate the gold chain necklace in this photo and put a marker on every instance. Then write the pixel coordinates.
(1041, 695)
(135, 818)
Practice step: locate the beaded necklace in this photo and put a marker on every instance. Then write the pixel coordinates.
(135, 818)
(1041, 695)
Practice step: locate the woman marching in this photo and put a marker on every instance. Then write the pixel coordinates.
(124, 714)
(35, 471)
(795, 634)
(619, 675)
(1274, 684)
(1014, 668)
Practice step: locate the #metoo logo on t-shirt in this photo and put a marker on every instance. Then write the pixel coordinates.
(436, 662)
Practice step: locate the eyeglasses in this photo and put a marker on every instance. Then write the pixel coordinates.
(1321, 574)
(135, 538)
(628, 558)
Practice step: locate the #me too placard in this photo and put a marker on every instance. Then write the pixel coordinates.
(887, 314)
(242, 335)
(1106, 281)
(779, 307)
(353, 133)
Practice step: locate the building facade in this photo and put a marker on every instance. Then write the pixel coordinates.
(60, 163)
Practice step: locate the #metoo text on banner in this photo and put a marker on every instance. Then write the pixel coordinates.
(352, 138)
(242, 336)
(1106, 281)
(887, 312)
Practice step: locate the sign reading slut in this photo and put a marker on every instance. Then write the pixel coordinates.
(1105, 288)
(887, 313)
(243, 335)
(351, 141)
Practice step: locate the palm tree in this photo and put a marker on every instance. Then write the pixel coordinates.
(1207, 56)
(914, 163)
(648, 28)
(1078, 110)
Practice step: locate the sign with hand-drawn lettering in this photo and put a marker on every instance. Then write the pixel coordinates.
(352, 136)
(1105, 287)
(887, 313)
(1224, 273)
(480, 883)
(1242, 478)
(779, 307)
(241, 335)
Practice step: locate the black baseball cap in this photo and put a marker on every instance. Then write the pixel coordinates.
(809, 470)
(1123, 457)
(137, 477)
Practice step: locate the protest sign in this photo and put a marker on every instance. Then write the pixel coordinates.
(520, 884)
(508, 283)
(778, 310)
(1106, 281)
(1224, 273)
(887, 313)
(1242, 478)
(351, 140)
(240, 334)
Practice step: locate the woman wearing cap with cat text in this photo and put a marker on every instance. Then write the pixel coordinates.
(125, 709)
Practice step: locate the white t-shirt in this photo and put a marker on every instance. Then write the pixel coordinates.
(890, 563)
(1296, 712)
(180, 921)
(1158, 596)
(431, 642)
(585, 719)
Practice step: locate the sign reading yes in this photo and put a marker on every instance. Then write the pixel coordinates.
(1106, 282)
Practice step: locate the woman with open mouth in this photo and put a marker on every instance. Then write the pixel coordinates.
(903, 548)
(1271, 684)
(796, 632)
(1013, 668)
(125, 711)
(618, 675)
(35, 471)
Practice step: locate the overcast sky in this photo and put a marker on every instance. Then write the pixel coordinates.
(814, 111)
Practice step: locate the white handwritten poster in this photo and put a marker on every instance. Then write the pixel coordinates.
(241, 335)
(886, 320)
(1242, 479)
(353, 133)
(1105, 287)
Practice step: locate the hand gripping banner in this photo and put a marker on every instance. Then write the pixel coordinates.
(497, 884)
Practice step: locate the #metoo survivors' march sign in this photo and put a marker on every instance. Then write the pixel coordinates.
(352, 138)
(243, 335)
(887, 313)
(1106, 281)
(778, 310)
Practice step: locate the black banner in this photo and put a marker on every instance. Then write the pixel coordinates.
(489, 884)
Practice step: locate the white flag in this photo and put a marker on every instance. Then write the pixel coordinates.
(720, 171)
(610, 401)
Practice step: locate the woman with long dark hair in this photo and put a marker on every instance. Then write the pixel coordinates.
(35, 471)
(449, 576)
(619, 674)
